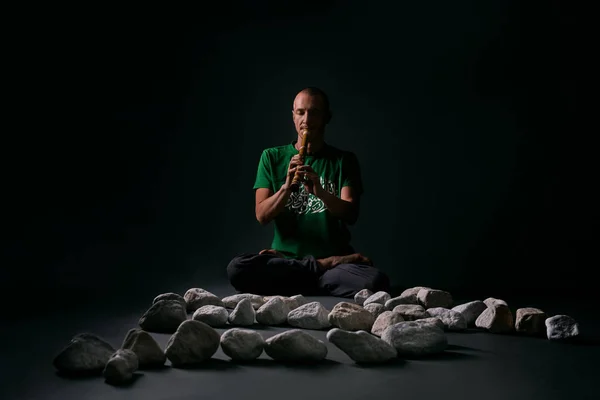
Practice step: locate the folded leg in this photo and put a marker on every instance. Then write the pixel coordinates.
(345, 280)
(269, 274)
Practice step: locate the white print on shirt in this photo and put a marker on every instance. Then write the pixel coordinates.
(303, 202)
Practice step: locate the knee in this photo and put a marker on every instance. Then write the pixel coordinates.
(238, 268)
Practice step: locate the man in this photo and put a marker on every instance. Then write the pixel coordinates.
(311, 252)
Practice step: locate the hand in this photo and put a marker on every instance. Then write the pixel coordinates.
(294, 163)
(312, 182)
(271, 251)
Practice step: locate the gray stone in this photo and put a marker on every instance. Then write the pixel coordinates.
(85, 353)
(291, 302)
(410, 295)
(561, 327)
(273, 312)
(491, 302)
(196, 298)
(452, 320)
(194, 342)
(299, 301)
(384, 320)
(375, 308)
(471, 311)
(243, 314)
(496, 319)
(380, 297)
(414, 339)
(215, 316)
(309, 316)
(164, 316)
(351, 317)
(295, 345)
(170, 296)
(531, 321)
(147, 349)
(431, 298)
(411, 312)
(242, 344)
(120, 367)
(435, 321)
(232, 301)
(361, 296)
(406, 299)
(361, 346)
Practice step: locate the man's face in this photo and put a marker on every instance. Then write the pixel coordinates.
(310, 113)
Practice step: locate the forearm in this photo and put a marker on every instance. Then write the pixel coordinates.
(339, 208)
(269, 208)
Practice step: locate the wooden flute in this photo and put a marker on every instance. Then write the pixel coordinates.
(298, 179)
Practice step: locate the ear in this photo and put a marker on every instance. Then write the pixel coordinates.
(328, 118)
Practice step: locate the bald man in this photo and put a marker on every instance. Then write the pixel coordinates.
(311, 252)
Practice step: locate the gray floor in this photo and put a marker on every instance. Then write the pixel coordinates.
(477, 365)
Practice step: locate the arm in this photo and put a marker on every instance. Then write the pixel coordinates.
(269, 204)
(345, 208)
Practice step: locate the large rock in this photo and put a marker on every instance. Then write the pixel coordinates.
(242, 344)
(85, 353)
(361, 296)
(147, 349)
(361, 346)
(530, 321)
(435, 321)
(380, 297)
(471, 311)
(411, 312)
(243, 314)
(410, 296)
(170, 296)
(406, 299)
(298, 300)
(431, 298)
(197, 297)
(375, 308)
(496, 319)
(215, 316)
(194, 342)
(309, 316)
(384, 320)
(414, 339)
(452, 320)
(291, 302)
(351, 317)
(120, 367)
(164, 316)
(295, 345)
(232, 301)
(561, 327)
(273, 312)
(492, 302)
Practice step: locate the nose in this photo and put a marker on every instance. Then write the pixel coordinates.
(308, 118)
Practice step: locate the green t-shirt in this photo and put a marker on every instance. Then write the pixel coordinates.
(305, 226)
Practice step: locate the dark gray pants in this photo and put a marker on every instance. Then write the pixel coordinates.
(268, 274)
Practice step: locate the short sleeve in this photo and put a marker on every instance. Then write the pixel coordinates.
(351, 175)
(264, 175)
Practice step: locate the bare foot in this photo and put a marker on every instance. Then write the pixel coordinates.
(333, 261)
(271, 251)
(355, 258)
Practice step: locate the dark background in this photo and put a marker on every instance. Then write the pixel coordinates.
(138, 134)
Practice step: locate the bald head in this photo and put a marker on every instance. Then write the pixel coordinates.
(311, 111)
